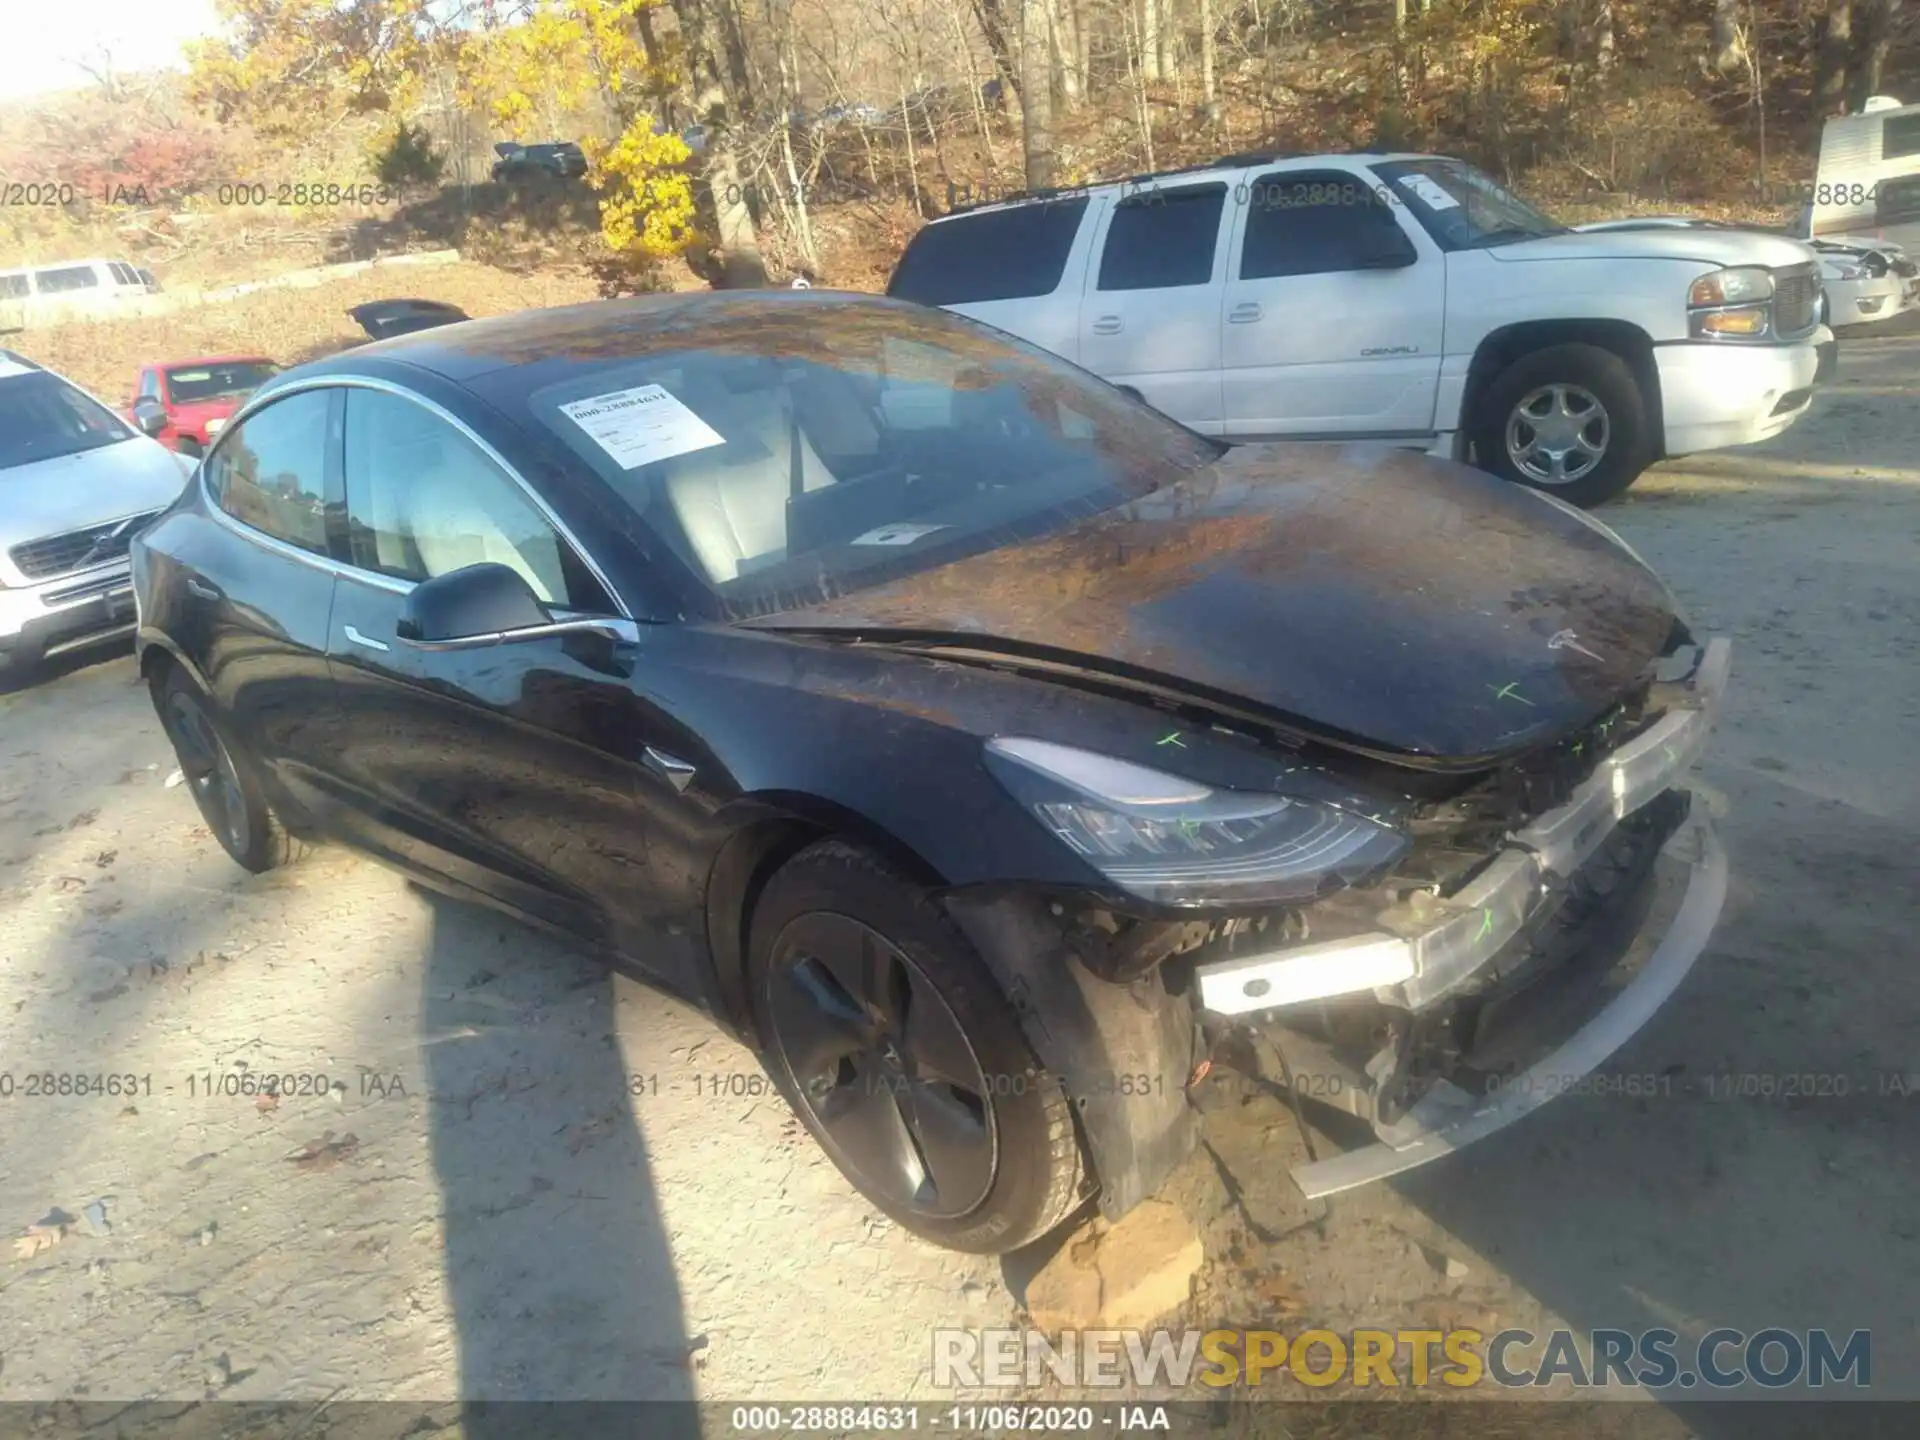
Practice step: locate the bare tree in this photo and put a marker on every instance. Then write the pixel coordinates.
(1036, 92)
(1836, 50)
(1870, 49)
(1728, 53)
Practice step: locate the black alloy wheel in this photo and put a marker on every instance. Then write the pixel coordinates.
(889, 1036)
(881, 1066)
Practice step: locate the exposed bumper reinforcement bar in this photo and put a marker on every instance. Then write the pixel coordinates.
(1468, 1120)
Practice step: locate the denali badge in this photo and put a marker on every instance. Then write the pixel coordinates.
(1566, 640)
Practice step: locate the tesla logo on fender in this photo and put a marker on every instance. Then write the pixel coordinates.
(1391, 350)
(1567, 640)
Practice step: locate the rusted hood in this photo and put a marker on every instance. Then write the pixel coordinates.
(1366, 593)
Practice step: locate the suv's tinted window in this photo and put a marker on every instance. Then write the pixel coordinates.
(66, 278)
(1314, 223)
(1166, 238)
(1899, 135)
(1011, 254)
(423, 500)
(270, 472)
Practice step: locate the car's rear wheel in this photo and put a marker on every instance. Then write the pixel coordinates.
(220, 777)
(1569, 420)
(888, 1036)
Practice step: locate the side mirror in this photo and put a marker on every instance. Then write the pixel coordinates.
(475, 603)
(149, 415)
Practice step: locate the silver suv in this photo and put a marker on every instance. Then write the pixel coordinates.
(76, 484)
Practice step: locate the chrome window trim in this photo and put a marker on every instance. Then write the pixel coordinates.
(375, 578)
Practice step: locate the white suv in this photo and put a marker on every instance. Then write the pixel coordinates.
(76, 484)
(1407, 298)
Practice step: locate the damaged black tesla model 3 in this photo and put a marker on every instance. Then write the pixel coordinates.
(1004, 746)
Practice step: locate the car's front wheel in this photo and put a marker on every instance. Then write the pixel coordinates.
(221, 779)
(1569, 420)
(885, 1031)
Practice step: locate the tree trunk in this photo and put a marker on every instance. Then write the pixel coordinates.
(1209, 91)
(716, 105)
(1066, 51)
(993, 26)
(1870, 50)
(1150, 40)
(1729, 51)
(1036, 93)
(1836, 49)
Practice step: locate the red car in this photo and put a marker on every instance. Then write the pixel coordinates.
(183, 403)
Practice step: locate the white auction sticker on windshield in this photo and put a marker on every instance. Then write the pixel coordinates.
(1430, 191)
(639, 426)
(901, 534)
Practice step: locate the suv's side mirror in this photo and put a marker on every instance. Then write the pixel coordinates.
(474, 603)
(149, 415)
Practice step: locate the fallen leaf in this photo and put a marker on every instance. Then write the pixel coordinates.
(38, 1239)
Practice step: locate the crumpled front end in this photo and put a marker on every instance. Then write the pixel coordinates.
(1442, 1014)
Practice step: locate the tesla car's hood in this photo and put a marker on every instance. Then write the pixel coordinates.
(134, 477)
(1711, 247)
(1364, 593)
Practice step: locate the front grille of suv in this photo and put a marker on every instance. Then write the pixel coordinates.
(1796, 300)
(75, 550)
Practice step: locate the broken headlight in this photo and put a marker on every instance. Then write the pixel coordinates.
(1175, 841)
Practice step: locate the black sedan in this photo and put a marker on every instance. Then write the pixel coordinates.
(1004, 745)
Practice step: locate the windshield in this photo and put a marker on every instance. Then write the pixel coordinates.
(42, 417)
(218, 382)
(797, 451)
(1464, 208)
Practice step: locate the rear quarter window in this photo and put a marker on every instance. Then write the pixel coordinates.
(1900, 136)
(1013, 254)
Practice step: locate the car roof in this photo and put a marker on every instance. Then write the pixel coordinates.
(616, 329)
(1186, 175)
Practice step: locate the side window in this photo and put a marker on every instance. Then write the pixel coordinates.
(1315, 223)
(1162, 239)
(1899, 135)
(270, 472)
(67, 278)
(1012, 254)
(423, 500)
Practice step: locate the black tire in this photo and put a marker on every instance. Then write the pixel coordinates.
(221, 777)
(1573, 372)
(889, 1106)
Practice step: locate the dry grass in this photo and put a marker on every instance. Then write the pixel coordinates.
(290, 326)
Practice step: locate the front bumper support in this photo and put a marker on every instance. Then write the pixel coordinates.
(1430, 948)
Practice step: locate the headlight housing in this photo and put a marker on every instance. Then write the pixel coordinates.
(1732, 304)
(1178, 842)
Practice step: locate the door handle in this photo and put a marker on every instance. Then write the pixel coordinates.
(1244, 313)
(367, 640)
(203, 589)
(1107, 325)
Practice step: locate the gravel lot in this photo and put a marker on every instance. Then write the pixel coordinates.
(519, 1176)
